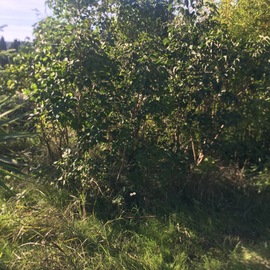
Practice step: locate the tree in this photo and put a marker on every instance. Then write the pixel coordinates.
(3, 45)
(15, 45)
(4, 54)
(247, 24)
(132, 94)
(246, 19)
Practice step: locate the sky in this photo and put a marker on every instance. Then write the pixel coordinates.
(20, 16)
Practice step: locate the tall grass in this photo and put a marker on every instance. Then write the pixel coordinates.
(43, 228)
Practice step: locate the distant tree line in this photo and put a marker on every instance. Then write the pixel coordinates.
(7, 49)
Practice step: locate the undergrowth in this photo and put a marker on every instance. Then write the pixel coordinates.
(44, 228)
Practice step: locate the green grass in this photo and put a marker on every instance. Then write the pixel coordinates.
(42, 228)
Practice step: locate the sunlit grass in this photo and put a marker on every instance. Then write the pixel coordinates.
(41, 228)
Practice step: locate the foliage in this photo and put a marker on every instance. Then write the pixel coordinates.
(3, 45)
(12, 129)
(153, 116)
(131, 96)
(8, 53)
(16, 44)
(8, 165)
(244, 19)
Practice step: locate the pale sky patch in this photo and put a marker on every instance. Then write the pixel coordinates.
(20, 16)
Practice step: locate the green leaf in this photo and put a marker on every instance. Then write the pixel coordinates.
(8, 160)
(6, 172)
(10, 111)
(3, 185)
(165, 41)
(12, 136)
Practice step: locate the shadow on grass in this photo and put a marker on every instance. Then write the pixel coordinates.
(227, 227)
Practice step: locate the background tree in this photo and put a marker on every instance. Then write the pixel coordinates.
(15, 45)
(3, 52)
(246, 19)
(3, 45)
